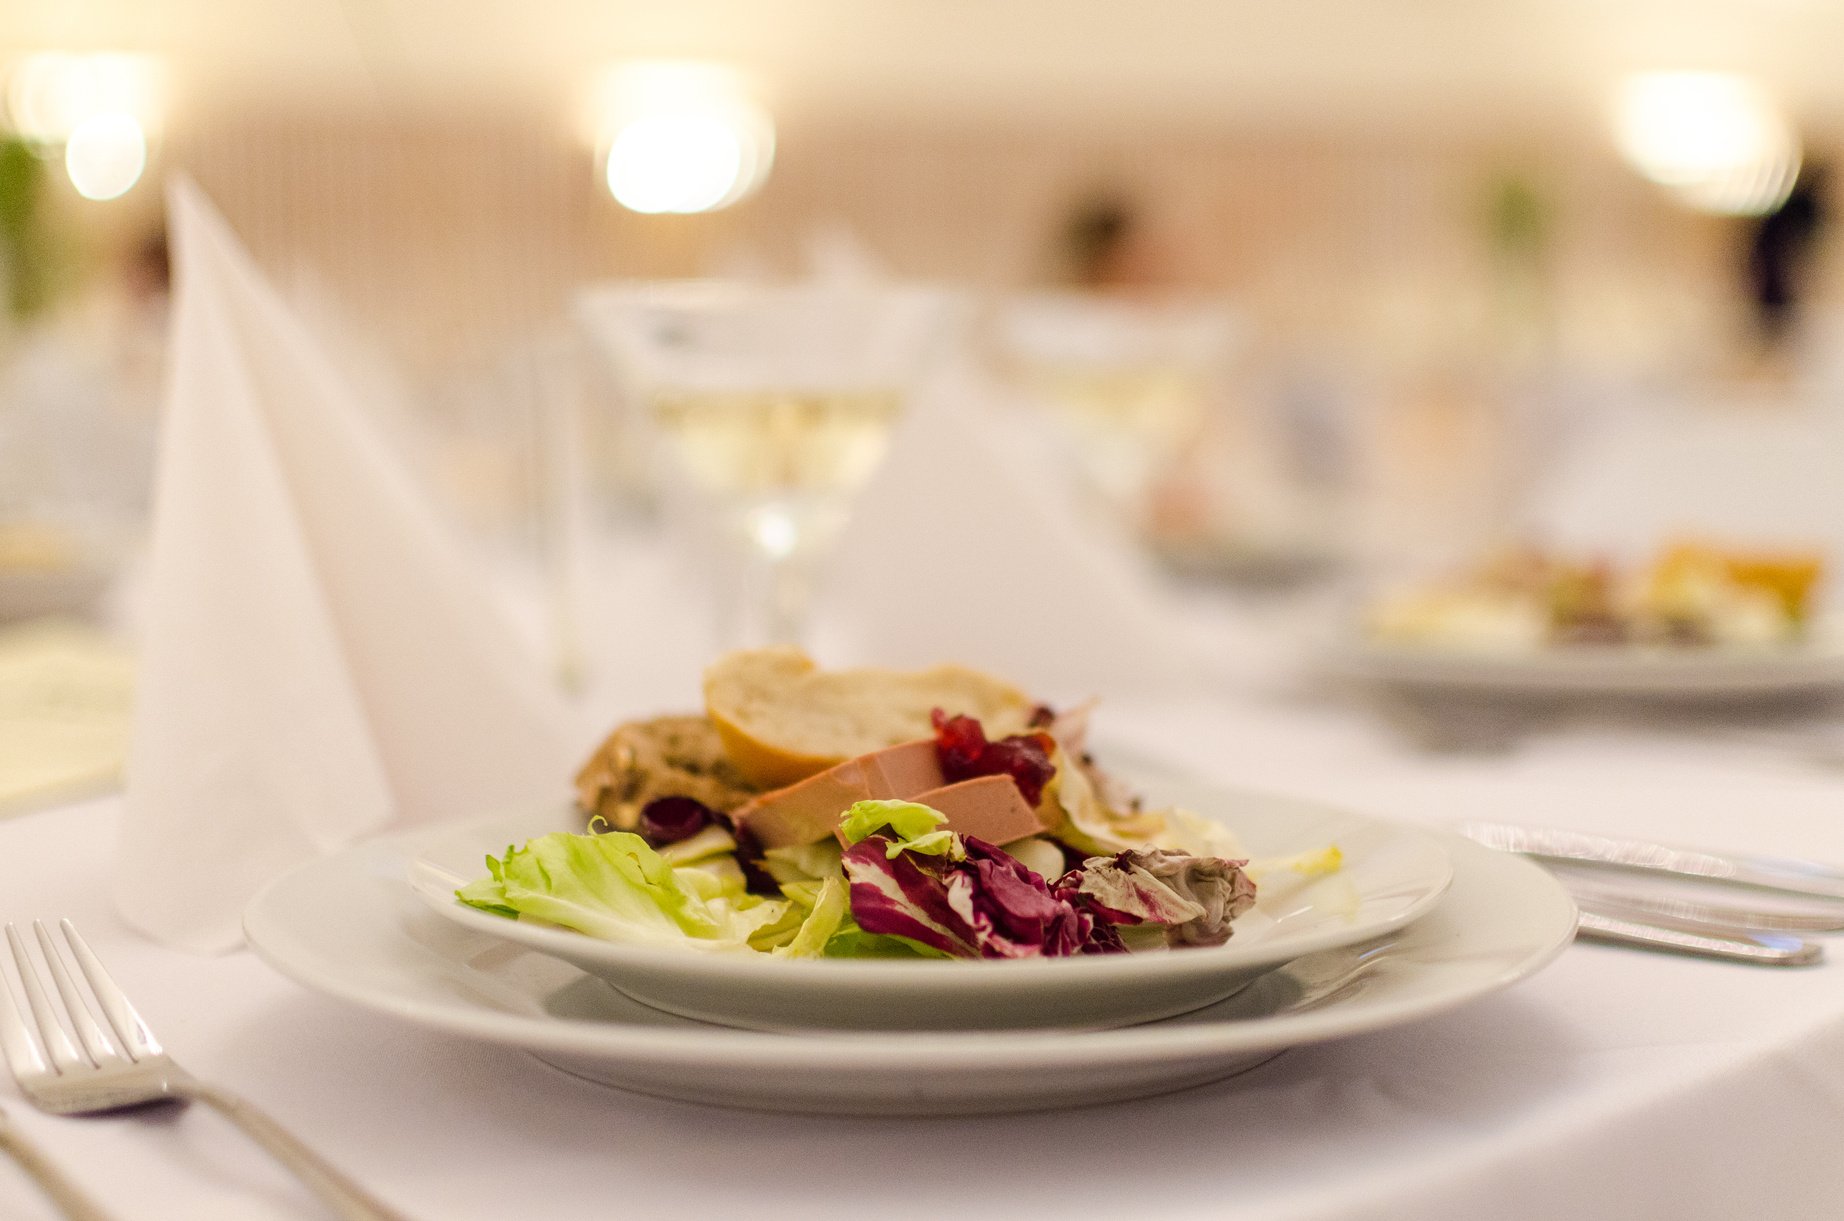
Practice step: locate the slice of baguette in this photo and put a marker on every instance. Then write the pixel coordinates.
(783, 719)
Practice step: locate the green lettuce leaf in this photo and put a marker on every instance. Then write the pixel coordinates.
(616, 887)
(487, 893)
(802, 862)
(913, 828)
(783, 929)
(708, 844)
(831, 907)
(853, 942)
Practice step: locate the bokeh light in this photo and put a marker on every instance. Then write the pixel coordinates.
(1715, 140)
(50, 93)
(674, 163)
(105, 155)
(681, 137)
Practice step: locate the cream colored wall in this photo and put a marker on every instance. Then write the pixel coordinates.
(449, 235)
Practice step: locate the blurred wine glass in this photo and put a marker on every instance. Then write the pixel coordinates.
(1130, 381)
(778, 404)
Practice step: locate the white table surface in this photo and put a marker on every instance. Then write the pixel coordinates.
(1614, 1084)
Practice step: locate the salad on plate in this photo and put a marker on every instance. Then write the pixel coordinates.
(872, 813)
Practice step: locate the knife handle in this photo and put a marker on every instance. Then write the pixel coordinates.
(1671, 911)
(1736, 945)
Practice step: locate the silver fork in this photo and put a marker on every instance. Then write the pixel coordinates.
(98, 1073)
(69, 1198)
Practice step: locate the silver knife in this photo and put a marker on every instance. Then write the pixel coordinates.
(1786, 875)
(1736, 945)
(1667, 909)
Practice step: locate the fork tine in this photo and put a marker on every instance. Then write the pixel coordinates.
(64, 1053)
(97, 1042)
(22, 1051)
(136, 1037)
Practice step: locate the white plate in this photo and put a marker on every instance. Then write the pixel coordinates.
(1392, 875)
(1702, 673)
(346, 926)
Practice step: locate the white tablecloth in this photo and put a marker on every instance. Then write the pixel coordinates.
(1614, 1084)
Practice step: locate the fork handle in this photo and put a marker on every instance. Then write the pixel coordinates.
(69, 1198)
(346, 1198)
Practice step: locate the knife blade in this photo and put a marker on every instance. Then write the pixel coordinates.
(1783, 874)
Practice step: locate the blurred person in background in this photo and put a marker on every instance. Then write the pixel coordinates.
(1782, 252)
(1103, 247)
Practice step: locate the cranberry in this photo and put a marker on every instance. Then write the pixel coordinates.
(667, 820)
(961, 745)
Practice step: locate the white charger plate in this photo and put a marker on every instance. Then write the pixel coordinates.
(347, 927)
(1392, 875)
(1813, 663)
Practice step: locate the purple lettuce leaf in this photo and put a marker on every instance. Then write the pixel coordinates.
(985, 906)
(1192, 898)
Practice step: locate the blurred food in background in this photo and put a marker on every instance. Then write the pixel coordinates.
(1691, 594)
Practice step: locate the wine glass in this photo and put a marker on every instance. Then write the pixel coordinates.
(778, 403)
(1129, 380)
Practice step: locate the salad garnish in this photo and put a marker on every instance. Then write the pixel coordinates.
(896, 867)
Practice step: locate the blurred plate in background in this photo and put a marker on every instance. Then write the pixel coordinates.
(1813, 663)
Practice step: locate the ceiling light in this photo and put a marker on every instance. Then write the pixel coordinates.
(105, 155)
(681, 137)
(1715, 140)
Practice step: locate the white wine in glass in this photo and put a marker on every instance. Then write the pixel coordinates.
(1129, 382)
(1128, 425)
(789, 465)
(779, 405)
(768, 443)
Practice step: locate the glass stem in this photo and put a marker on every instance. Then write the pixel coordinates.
(790, 597)
(776, 593)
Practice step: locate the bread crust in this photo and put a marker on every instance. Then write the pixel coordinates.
(667, 756)
(782, 719)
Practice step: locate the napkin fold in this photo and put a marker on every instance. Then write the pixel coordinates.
(320, 660)
(970, 545)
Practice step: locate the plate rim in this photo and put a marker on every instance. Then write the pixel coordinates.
(704, 1045)
(1816, 661)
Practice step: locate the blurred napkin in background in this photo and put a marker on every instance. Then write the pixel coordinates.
(319, 659)
(969, 546)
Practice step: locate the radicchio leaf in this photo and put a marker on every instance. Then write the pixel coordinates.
(985, 906)
(667, 820)
(1193, 898)
(964, 752)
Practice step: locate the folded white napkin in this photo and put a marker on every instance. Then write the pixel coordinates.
(319, 659)
(969, 545)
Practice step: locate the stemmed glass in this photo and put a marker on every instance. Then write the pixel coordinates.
(779, 403)
(1129, 380)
